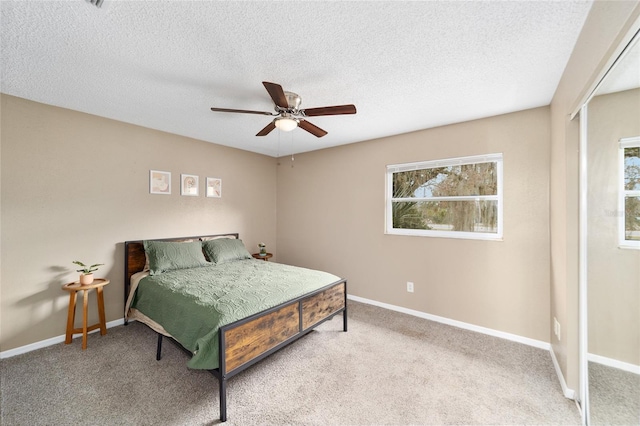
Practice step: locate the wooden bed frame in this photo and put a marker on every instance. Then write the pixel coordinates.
(249, 340)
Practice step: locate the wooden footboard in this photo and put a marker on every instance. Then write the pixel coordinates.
(247, 341)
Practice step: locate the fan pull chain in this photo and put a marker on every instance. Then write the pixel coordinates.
(278, 149)
(292, 150)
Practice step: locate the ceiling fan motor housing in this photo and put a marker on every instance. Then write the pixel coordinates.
(293, 100)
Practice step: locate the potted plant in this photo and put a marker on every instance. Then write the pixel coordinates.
(263, 249)
(86, 277)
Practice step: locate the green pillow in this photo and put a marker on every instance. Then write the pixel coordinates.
(167, 255)
(225, 250)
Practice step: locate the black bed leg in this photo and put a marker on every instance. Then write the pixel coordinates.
(159, 350)
(223, 399)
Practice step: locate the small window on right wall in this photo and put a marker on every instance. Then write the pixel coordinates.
(629, 195)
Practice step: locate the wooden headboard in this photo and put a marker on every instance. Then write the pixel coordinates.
(135, 259)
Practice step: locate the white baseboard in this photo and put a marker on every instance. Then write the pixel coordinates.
(569, 393)
(51, 341)
(491, 332)
(610, 362)
(454, 323)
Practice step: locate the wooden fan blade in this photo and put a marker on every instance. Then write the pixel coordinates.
(311, 128)
(277, 94)
(268, 128)
(330, 110)
(243, 111)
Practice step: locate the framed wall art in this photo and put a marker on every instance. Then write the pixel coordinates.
(159, 182)
(214, 187)
(189, 185)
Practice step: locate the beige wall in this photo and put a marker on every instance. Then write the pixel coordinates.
(76, 186)
(613, 273)
(331, 216)
(606, 25)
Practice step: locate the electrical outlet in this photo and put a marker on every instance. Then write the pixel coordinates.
(409, 286)
(556, 328)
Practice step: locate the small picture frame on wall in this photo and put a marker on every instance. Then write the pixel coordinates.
(189, 185)
(214, 187)
(159, 182)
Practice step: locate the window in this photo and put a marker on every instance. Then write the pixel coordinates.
(629, 194)
(453, 198)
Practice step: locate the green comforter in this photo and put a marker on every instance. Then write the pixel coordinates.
(192, 304)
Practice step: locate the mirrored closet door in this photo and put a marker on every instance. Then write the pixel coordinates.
(612, 243)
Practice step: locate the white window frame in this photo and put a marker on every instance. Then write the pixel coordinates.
(488, 158)
(622, 193)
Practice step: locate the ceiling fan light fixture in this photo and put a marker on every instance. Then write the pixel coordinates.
(286, 124)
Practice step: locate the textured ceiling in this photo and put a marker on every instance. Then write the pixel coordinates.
(405, 65)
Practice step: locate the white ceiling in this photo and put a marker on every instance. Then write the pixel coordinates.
(405, 65)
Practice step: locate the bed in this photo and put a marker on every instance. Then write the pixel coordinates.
(231, 311)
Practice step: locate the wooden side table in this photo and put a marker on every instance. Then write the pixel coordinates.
(266, 257)
(73, 289)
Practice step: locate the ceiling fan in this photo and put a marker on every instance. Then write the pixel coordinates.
(288, 113)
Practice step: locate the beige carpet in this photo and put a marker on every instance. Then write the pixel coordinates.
(614, 396)
(389, 368)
